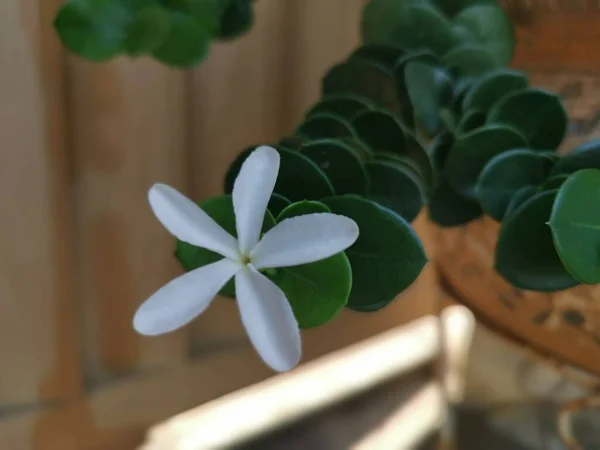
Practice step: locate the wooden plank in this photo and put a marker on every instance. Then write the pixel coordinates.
(128, 131)
(38, 347)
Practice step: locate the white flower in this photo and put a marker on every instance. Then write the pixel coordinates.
(264, 309)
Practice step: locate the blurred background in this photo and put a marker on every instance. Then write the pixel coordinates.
(81, 143)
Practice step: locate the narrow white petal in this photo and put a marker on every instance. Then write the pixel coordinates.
(268, 319)
(187, 222)
(183, 299)
(251, 193)
(304, 239)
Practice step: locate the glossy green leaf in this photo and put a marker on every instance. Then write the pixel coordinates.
(462, 36)
(345, 105)
(340, 163)
(407, 24)
(472, 151)
(472, 120)
(236, 19)
(360, 147)
(429, 89)
(363, 78)
(187, 45)
(94, 29)
(491, 87)
(525, 253)
(554, 182)
(277, 203)
(520, 197)
(387, 257)
(470, 60)
(382, 131)
(396, 188)
(221, 210)
(586, 156)
(299, 178)
(538, 114)
(507, 173)
(325, 125)
(492, 28)
(384, 54)
(149, 30)
(318, 291)
(448, 209)
(415, 151)
(575, 225)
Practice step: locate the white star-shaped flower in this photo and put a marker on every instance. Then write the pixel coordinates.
(264, 309)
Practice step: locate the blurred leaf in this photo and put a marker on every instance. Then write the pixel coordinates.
(236, 19)
(395, 187)
(472, 151)
(525, 253)
(507, 173)
(94, 29)
(277, 203)
(318, 291)
(575, 225)
(586, 156)
(491, 87)
(345, 105)
(492, 28)
(538, 114)
(149, 30)
(472, 120)
(554, 182)
(520, 197)
(384, 54)
(363, 78)
(387, 257)
(187, 45)
(326, 125)
(469, 60)
(340, 163)
(448, 209)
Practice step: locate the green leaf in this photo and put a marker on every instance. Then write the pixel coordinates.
(448, 209)
(492, 28)
(94, 29)
(586, 156)
(538, 114)
(299, 178)
(221, 210)
(187, 45)
(344, 105)
(452, 7)
(384, 54)
(525, 253)
(470, 60)
(236, 19)
(387, 257)
(491, 87)
(439, 149)
(472, 151)
(472, 120)
(325, 125)
(507, 173)
(408, 24)
(278, 203)
(429, 89)
(396, 188)
(520, 197)
(462, 36)
(340, 163)
(149, 30)
(293, 142)
(575, 225)
(554, 182)
(363, 78)
(206, 12)
(318, 291)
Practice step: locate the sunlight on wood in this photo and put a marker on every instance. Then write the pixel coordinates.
(285, 398)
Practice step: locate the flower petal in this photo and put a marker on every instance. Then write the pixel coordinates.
(187, 222)
(304, 239)
(181, 300)
(251, 193)
(268, 319)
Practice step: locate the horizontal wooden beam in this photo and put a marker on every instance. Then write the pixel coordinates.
(286, 398)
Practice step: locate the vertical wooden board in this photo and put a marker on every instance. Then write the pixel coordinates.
(128, 132)
(37, 345)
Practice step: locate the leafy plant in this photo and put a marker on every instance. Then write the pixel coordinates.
(423, 115)
(175, 32)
